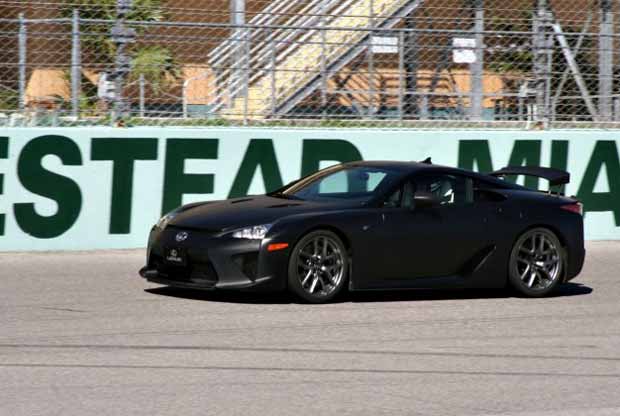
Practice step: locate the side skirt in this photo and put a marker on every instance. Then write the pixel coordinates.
(462, 279)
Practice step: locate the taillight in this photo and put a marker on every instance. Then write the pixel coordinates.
(577, 208)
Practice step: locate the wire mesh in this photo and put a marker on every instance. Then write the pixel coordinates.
(350, 63)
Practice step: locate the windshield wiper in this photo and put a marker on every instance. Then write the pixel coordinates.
(285, 196)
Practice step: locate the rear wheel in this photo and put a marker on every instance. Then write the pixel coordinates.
(318, 267)
(536, 262)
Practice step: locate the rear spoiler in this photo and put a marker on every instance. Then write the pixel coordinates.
(555, 177)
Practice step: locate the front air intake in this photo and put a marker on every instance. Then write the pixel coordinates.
(247, 263)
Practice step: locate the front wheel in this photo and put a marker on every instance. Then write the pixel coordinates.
(318, 267)
(536, 262)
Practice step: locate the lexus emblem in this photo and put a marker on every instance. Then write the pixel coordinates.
(182, 236)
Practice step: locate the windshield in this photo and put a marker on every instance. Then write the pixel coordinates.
(354, 183)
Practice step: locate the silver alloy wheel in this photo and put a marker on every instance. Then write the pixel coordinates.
(538, 261)
(320, 266)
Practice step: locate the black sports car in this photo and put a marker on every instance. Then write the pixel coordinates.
(376, 225)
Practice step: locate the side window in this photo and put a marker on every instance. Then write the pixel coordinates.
(448, 189)
(335, 183)
(402, 197)
(393, 201)
(361, 180)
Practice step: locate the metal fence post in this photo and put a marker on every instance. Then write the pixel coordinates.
(184, 88)
(371, 62)
(122, 36)
(246, 74)
(272, 64)
(323, 62)
(22, 44)
(238, 74)
(549, 21)
(411, 60)
(401, 69)
(424, 115)
(539, 56)
(76, 68)
(142, 96)
(477, 67)
(605, 59)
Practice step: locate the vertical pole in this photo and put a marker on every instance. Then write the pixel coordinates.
(477, 67)
(371, 62)
(184, 96)
(245, 58)
(237, 19)
(246, 78)
(539, 41)
(21, 42)
(76, 66)
(401, 70)
(122, 36)
(549, 20)
(323, 61)
(410, 57)
(142, 109)
(536, 48)
(424, 107)
(605, 59)
(245, 106)
(272, 64)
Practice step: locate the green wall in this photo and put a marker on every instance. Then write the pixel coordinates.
(90, 188)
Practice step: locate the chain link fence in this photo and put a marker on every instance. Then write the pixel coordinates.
(351, 63)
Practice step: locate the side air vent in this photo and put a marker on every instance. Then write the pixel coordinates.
(477, 260)
(283, 205)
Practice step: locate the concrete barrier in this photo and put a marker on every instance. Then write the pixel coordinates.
(95, 188)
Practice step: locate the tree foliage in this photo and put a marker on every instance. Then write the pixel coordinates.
(155, 63)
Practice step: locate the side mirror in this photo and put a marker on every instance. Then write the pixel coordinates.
(425, 200)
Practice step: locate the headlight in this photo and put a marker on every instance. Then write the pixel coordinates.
(163, 221)
(256, 232)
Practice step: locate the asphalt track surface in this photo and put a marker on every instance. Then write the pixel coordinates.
(82, 334)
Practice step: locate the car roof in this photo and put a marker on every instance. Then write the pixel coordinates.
(406, 168)
(394, 164)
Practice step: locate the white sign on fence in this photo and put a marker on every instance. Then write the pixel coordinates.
(384, 44)
(464, 50)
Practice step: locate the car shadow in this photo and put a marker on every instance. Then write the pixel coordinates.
(225, 296)
(565, 290)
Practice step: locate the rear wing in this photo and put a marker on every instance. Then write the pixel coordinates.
(556, 177)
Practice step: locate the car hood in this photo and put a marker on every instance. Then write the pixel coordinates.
(242, 212)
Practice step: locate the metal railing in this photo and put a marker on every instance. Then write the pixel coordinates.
(352, 63)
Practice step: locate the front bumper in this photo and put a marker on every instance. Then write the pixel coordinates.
(213, 262)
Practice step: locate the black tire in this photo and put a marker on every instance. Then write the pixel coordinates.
(314, 276)
(536, 264)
